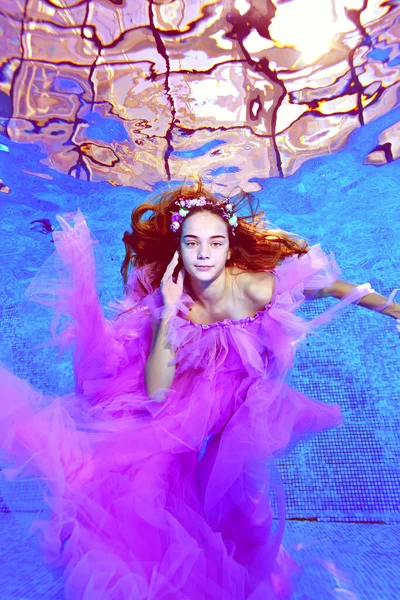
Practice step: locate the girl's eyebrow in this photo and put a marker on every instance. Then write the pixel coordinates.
(212, 237)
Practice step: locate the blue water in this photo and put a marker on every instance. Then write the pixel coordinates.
(336, 480)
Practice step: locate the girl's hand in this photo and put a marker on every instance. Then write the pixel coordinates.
(171, 292)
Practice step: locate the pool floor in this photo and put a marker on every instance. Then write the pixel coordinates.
(367, 553)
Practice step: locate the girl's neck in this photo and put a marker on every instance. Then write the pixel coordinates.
(211, 294)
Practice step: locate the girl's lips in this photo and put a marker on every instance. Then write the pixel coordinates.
(202, 268)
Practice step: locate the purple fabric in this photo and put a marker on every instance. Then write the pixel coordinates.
(159, 501)
(388, 301)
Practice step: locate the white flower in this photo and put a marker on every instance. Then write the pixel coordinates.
(228, 207)
(233, 220)
(183, 212)
(175, 225)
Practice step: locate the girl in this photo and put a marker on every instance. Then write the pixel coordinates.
(159, 469)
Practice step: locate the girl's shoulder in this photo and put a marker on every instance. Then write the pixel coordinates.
(311, 270)
(257, 286)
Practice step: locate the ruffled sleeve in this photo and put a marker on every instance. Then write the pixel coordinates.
(311, 271)
(67, 284)
(109, 354)
(299, 278)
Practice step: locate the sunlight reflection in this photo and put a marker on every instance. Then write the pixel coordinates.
(123, 91)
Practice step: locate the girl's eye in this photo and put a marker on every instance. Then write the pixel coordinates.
(191, 244)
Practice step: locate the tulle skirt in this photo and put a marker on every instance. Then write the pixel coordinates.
(140, 506)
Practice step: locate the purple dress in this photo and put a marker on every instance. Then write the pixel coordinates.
(177, 499)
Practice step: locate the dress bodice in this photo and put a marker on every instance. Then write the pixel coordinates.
(229, 322)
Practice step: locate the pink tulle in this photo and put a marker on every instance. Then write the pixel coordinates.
(159, 500)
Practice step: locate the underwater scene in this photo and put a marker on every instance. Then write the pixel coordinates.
(106, 103)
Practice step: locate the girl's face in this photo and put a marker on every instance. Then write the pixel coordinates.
(204, 243)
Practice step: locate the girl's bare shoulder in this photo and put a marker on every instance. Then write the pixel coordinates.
(257, 286)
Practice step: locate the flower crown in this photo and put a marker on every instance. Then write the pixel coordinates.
(186, 205)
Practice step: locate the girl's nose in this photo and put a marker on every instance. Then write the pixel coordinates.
(202, 254)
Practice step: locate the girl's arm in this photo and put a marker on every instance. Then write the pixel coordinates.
(260, 290)
(159, 374)
(373, 301)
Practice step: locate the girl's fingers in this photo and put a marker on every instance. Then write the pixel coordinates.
(171, 266)
(180, 277)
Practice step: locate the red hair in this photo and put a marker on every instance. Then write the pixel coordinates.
(253, 247)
